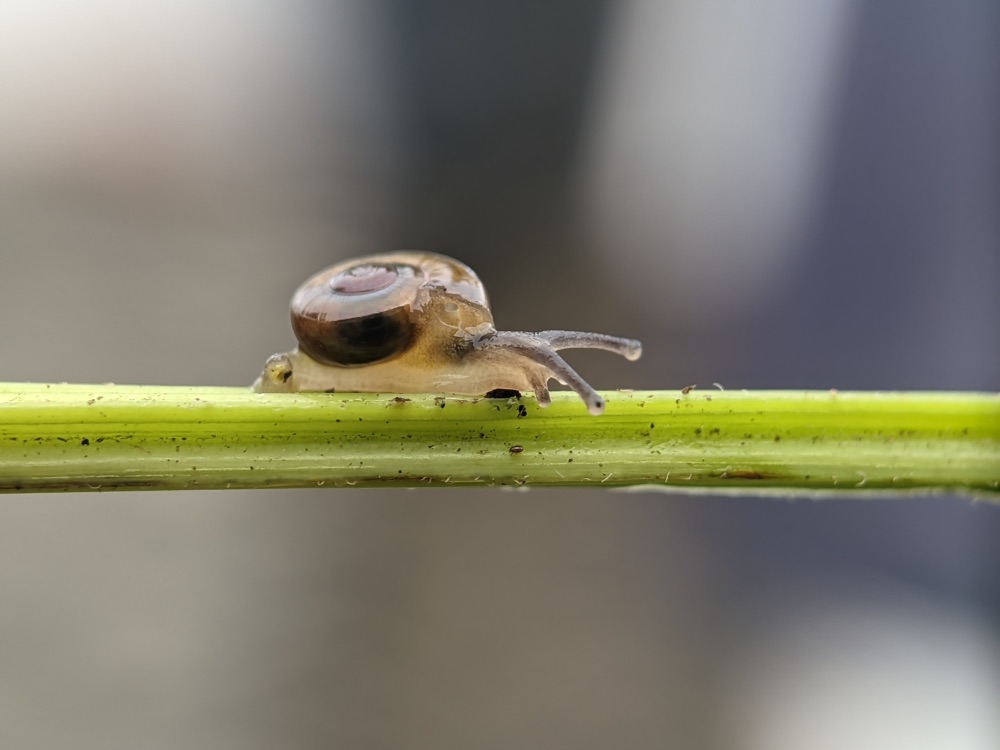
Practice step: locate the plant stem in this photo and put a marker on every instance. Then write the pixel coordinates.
(103, 437)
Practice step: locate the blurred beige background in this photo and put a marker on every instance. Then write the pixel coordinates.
(769, 195)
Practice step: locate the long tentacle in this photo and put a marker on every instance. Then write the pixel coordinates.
(631, 349)
(538, 350)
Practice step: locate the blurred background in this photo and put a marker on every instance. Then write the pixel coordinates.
(770, 195)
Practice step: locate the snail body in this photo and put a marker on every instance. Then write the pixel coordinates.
(414, 322)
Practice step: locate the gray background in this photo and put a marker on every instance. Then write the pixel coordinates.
(776, 194)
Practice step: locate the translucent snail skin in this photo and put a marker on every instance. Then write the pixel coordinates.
(415, 322)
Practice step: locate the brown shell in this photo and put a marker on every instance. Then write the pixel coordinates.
(367, 310)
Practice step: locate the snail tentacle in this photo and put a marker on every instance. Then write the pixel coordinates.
(631, 349)
(536, 349)
(541, 390)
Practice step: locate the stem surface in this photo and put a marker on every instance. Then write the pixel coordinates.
(104, 437)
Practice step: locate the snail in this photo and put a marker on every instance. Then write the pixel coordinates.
(413, 322)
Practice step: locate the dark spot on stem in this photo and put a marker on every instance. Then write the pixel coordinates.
(503, 393)
(748, 474)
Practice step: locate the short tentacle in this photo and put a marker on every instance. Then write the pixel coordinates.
(541, 390)
(533, 347)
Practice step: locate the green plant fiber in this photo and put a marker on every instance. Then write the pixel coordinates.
(110, 437)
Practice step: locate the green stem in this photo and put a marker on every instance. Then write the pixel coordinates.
(102, 437)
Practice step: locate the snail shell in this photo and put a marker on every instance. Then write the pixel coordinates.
(412, 322)
(360, 312)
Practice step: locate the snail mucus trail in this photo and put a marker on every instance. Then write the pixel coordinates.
(413, 322)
